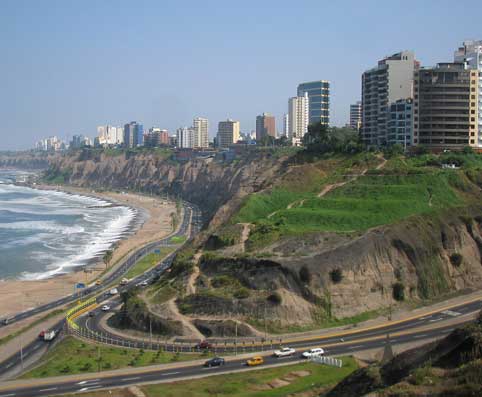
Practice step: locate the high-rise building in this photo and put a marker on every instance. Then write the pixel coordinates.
(319, 96)
(286, 125)
(108, 135)
(265, 126)
(201, 132)
(185, 138)
(389, 81)
(446, 106)
(80, 141)
(133, 134)
(298, 118)
(156, 137)
(400, 123)
(356, 115)
(471, 54)
(228, 133)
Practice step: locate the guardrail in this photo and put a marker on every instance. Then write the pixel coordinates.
(78, 310)
(334, 362)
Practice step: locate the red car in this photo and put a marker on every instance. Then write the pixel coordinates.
(203, 345)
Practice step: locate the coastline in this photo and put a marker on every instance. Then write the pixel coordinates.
(151, 222)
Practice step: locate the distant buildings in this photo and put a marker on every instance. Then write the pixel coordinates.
(133, 134)
(108, 135)
(265, 126)
(286, 124)
(185, 138)
(471, 54)
(228, 133)
(80, 141)
(200, 128)
(156, 137)
(50, 144)
(356, 115)
(298, 118)
(389, 81)
(446, 106)
(319, 100)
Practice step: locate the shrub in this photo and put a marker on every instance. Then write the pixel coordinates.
(274, 298)
(241, 293)
(456, 259)
(398, 291)
(336, 275)
(305, 275)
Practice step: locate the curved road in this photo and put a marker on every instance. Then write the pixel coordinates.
(192, 217)
(114, 379)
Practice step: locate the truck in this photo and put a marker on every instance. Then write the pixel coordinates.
(47, 335)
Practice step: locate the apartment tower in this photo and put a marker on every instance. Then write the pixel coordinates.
(298, 118)
(228, 133)
(319, 97)
(446, 106)
(265, 126)
(201, 132)
(356, 115)
(389, 81)
(471, 54)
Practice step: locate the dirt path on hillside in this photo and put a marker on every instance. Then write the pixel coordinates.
(245, 235)
(192, 331)
(191, 282)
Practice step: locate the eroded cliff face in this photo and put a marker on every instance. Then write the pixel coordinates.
(210, 184)
(27, 160)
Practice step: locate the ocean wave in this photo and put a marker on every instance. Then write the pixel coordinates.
(50, 226)
(113, 232)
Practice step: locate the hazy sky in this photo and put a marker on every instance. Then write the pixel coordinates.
(67, 66)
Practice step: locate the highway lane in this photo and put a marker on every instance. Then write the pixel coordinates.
(73, 384)
(228, 344)
(192, 217)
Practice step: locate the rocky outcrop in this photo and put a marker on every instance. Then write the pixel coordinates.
(27, 160)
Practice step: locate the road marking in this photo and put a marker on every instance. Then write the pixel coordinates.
(355, 347)
(88, 381)
(171, 373)
(420, 336)
(133, 378)
(50, 389)
(7, 395)
(90, 387)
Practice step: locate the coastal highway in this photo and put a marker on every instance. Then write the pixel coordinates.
(123, 378)
(226, 345)
(118, 272)
(192, 217)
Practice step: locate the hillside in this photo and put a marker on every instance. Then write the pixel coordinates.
(295, 242)
(450, 367)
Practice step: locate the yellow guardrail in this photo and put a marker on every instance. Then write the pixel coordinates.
(78, 310)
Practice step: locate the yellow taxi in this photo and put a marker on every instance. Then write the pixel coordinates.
(258, 360)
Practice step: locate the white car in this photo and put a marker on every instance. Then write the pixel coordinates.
(105, 308)
(317, 351)
(143, 283)
(113, 291)
(284, 352)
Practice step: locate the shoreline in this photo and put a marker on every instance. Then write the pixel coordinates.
(151, 222)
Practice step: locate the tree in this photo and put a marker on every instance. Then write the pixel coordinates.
(107, 257)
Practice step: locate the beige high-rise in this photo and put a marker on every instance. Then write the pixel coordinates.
(228, 133)
(201, 132)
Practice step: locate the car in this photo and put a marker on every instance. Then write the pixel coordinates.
(284, 352)
(91, 314)
(143, 283)
(113, 291)
(315, 352)
(253, 361)
(98, 282)
(124, 281)
(105, 308)
(215, 362)
(5, 321)
(41, 335)
(203, 345)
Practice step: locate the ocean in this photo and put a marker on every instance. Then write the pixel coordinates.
(46, 233)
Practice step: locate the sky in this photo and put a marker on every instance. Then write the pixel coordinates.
(68, 66)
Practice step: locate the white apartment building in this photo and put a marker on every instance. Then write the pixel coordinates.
(471, 54)
(228, 133)
(286, 124)
(298, 118)
(109, 135)
(201, 132)
(185, 138)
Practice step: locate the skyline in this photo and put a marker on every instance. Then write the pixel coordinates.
(71, 67)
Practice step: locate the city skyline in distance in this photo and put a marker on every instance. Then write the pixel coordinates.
(68, 68)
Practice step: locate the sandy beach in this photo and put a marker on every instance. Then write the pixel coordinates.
(19, 295)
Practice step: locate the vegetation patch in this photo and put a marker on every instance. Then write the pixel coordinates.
(148, 261)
